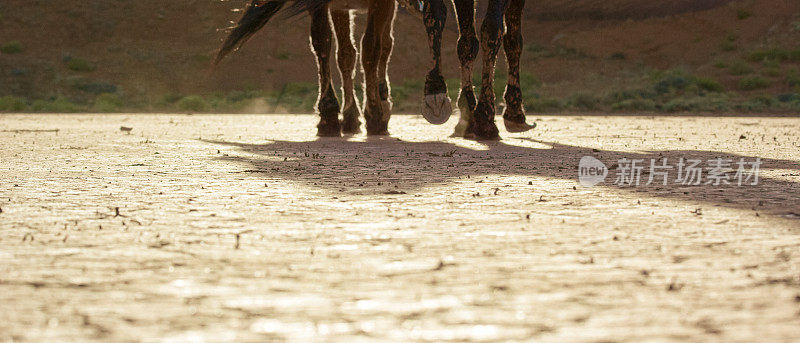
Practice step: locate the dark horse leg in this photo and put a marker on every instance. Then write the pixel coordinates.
(436, 106)
(376, 112)
(491, 39)
(514, 113)
(468, 46)
(327, 104)
(387, 44)
(346, 57)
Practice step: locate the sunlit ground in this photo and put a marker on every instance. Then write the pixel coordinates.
(249, 228)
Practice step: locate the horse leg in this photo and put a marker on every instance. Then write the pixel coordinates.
(436, 106)
(327, 104)
(387, 44)
(514, 113)
(380, 13)
(468, 46)
(346, 58)
(491, 39)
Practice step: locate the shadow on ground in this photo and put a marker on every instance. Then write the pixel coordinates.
(393, 166)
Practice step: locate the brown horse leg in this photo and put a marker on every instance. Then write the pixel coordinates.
(491, 39)
(327, 104)
(346, 57)
(468, 46)
(380, 14)
(436, 106)
(514, 113)
(387, 44)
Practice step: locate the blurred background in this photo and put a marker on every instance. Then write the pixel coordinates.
(636, 56)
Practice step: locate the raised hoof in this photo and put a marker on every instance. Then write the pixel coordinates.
(329, 128)
(436, 108)
(515, 127)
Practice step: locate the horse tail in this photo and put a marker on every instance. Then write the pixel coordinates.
(257, 15)
(302, 6)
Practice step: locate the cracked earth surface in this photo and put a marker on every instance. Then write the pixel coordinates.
(250, 229)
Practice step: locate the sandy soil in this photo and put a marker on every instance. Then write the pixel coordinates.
(249, 229)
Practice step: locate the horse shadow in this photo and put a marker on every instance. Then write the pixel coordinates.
(393, 166)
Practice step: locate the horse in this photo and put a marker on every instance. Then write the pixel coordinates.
(477, 118)
(377, 44)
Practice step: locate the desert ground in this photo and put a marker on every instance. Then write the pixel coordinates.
(248, 228)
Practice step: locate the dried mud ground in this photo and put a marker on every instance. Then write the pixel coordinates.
(249, 228)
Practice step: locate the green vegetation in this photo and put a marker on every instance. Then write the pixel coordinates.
(80, 65)
(294, 96)
(627, 105)
(671, 91)
(107, 102)
(774, 54)
(618, 56)
(193, 103)
(743, 13)
(752, 83)
(793, 78)
(12, 104)
(771, 72)
(540, 51)
(58, 105)
(709, 85)
(13, 47)
(757, 104)
(740, 68)
(729, 43)
(406, 95)
(540, 104)
(695, 103)
(666, 91)
(92, 87)
(583, 101)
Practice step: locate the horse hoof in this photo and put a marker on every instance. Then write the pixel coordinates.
(460, 130)
(485, 132)
(351, 129)
(436, 108)
(329, 128)
(350, 123)
(328, 133)
(378, 133)
(515, 127)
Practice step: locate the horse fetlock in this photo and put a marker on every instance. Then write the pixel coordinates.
(434, 83)
(514, 110)
(328, 105)
(466, 104)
